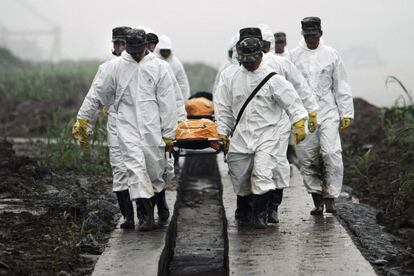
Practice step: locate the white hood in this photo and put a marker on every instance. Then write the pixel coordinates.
(233, 41)
(232, 46)
(267, 35)
(164, 43)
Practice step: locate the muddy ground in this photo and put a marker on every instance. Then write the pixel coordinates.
(51, 221)
(376, 168)
(44, 114)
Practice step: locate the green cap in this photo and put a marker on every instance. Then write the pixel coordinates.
(136, 41)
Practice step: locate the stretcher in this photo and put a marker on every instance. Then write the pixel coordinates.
(196, 117)
(197, 146)
(196, 136)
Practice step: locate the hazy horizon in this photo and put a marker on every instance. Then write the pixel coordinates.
(373, 37)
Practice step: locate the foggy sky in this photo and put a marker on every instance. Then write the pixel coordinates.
(374, 37)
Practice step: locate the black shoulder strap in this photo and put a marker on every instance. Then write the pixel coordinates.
(255, 91)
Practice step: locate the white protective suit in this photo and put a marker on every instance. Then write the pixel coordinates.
(252, 153)
(90, 111)
(182, 86)
(288, 70)
(143, 98)
(325, 73)
(181, 115)
(119, 182)
(285, 54)
(180, 104)
(92, 121)
(267, 35)
(176, 65)
(230, 60)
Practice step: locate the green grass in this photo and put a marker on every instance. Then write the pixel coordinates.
(361, 168)
(400, 130)
(61, 152)
(62, 81)
(392, 158)
(404, 197)
(408, 99)
(398, 121)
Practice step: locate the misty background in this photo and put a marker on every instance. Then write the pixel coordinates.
(374, 37)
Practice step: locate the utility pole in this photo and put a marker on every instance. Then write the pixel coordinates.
(53, 32)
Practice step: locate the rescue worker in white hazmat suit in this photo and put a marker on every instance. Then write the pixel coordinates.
(118, 40)
(152, 41)
(87, 115)
(288, 70)
(141, 90)
(180, 100)
(164, 51)
(118, 44)
(320, 154)
(251, 152)
(280, 45)
(231, 60)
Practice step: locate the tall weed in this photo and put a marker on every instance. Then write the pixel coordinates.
(61, 152)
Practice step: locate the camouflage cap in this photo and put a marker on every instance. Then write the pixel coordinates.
(250, 32)
(311, 25)
(136, 41)
(152, 38)
(119, 33)
(280, 36)
(249, 49)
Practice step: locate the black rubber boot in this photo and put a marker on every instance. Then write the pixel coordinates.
(260, 203)
(239, 213)
(249, 209)
(275, 199)
(318, 201)
(146, 211)
(127, 210)
(140, 214)
(330, 205)
(162, 206)
(121, 204)
(243, 211)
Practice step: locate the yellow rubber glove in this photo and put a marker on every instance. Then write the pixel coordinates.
(226, 142)
(169, 144)
(312, 121)
(105, 111)
(299, 131)
(346, 122)
(79, 132)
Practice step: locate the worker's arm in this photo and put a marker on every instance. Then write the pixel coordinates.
(166, 99)
(223, 107)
